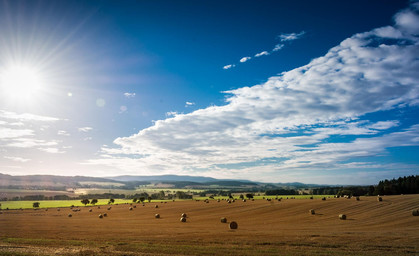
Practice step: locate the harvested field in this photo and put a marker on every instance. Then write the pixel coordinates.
(264, 228)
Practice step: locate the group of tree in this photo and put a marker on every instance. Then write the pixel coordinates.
(87, 201)
(281, 191)
(402, 185)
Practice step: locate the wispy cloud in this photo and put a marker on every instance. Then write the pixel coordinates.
(291, 36)
(8, 133)
(17, 159)
(171, 113)
(30, 143)
(129, 94)
(287, 123)
(188, 104)
(264, 53)
(229, 66)
(244, 59)
(26, 116)
(63, 133)
(52, 150)
(278, 47)
(85, 129)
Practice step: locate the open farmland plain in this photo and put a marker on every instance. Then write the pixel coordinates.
(264, 228)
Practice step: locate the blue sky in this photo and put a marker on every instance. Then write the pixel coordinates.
(277, 91)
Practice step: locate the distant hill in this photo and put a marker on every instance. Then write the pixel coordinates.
(52, 182)
(161, 178)
(46, 181)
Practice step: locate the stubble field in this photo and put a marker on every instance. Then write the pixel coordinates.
(264, 228)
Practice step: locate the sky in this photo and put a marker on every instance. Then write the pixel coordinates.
(322, 92)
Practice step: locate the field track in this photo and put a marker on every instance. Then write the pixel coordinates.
(264, 228)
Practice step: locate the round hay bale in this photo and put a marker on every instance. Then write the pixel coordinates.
(100, 216)
(415, 212)
(342, 216)
(183, 215)
(90, 210)
(224, 220)
(156, 206)
(105, 215)
(157, 216)
(379, 199)
(233, 225)
(183, 219)
(324, 199)
(130, 208)
(69, 215)
(312, 212)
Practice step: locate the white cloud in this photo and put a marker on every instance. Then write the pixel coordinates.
(384, 125)
(129, 94)
(188, 104)
(229, 66)
(291, 36)
(63, 133)
(85, 129)
(52, 150)
(17, 159)
(277, 47)
(284, 123)
(8, 133)
(30, 143)
(244, 59)
(261, 54)
(171, 113)
(26, 116)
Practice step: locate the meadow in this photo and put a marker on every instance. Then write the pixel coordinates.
(77, 203)
(273, 227)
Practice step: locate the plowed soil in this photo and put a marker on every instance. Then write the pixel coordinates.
(264, 228)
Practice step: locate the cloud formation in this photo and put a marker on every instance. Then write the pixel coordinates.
(291, 36)
(85, 129)
(229, 66)
(264, 53)
(286, 123)
(244, 59)
(277, 47)
(129, 94)
(13, 135)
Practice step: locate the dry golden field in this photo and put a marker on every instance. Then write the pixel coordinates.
(264, 228)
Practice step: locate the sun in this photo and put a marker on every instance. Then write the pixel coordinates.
(20, 82)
